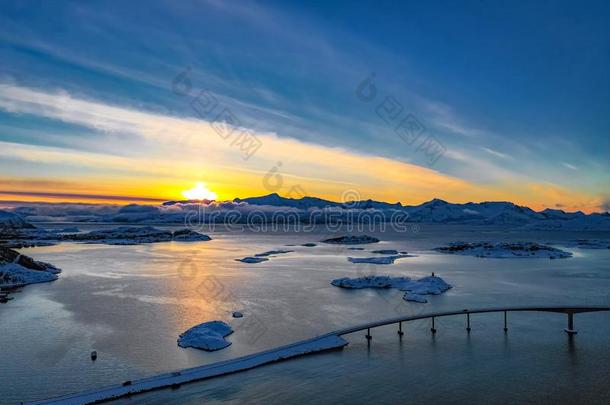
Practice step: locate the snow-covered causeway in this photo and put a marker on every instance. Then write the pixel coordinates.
(329, 341)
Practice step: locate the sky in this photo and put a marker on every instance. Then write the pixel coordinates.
(465, 101)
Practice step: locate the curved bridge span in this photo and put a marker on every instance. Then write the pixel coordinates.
(328, 341)
(569, 311)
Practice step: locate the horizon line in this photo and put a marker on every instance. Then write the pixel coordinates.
(151, 200)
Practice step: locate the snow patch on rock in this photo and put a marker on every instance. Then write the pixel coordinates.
(9, 220)
(412, 297)
(207, 336)
(376, 259)
(415, 289)
(16, 233)
(17, 270)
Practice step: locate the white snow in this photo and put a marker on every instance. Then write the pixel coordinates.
(368, 282)
(376, 259)
(17, 270)
(13, 221)
(497, 212)
(351, 240)
(306, 203)
(15, 275)
(427, 285)
(15, 232)
(207, 336)
(414, 297)
(505, 250)
(275, 208)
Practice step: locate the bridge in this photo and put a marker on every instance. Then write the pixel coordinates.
(569, 311)
(328, 341)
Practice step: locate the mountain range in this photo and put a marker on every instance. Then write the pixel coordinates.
(267, 207)
(440, 211)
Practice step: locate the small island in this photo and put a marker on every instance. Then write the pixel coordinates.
(17, 270)
(505, 250)
(415, 289)
(263, 257)
(377, 259)
(135, 235)
(386, 251)
(250, 259)
(351, 240)
(590, 244)
(208, 336)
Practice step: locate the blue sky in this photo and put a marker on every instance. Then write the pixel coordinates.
(517, 93)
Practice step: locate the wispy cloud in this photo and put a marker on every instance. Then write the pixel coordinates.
(79, 196)
(443, 116)
(174, 152)
(496, 153)
(474, 166)
(177, 144)
(569, 166)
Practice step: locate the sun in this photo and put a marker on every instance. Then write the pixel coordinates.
(199, 192)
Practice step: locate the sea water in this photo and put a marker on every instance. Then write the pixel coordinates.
(130, 303)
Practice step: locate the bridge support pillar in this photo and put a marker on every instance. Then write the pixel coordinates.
(468, 322)
(570, 329)
(433, 329)
(368, 334)
(505, 323)
(400, 332)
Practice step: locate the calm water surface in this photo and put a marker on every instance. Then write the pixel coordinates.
(130, 303)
